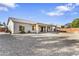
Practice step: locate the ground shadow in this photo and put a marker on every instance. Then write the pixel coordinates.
(33, 46)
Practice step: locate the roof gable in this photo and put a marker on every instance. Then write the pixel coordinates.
(20, 20)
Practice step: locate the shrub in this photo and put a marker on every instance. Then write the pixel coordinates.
(22, 32)
(29, 31)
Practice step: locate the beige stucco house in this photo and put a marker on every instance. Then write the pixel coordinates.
(15, 25)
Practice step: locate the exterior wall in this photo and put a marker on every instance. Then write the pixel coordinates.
(11, 26)
(28, 27)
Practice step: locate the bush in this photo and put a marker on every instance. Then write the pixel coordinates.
(29, 31)
(22, 32)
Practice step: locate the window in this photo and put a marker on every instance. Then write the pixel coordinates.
(21, 28)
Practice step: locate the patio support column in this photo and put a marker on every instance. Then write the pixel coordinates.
(43, 29)
(37, 28)
(46, 28)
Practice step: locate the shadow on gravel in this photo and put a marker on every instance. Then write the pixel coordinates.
(41, 46)
(61, 47)
(7, 37)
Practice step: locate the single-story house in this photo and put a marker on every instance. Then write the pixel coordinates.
(16, 25)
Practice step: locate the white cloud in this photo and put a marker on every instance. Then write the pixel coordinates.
(77, 4)
(43, 11)
(6, 6)
(11, 5)
(75, 12)
(54, 13)
(62, 9)
(3, 9)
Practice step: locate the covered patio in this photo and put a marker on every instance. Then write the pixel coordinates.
(43, 28)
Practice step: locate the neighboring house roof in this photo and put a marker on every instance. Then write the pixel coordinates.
(25, 21)
(2, 26)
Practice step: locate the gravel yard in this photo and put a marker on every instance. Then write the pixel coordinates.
(47, 44)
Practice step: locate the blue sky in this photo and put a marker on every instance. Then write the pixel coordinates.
(53, 13)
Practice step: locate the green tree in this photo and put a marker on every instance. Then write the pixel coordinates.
(4, 23)
(75, 23)
(68, 25)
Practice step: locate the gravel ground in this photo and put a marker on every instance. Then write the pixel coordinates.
(39, 44)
